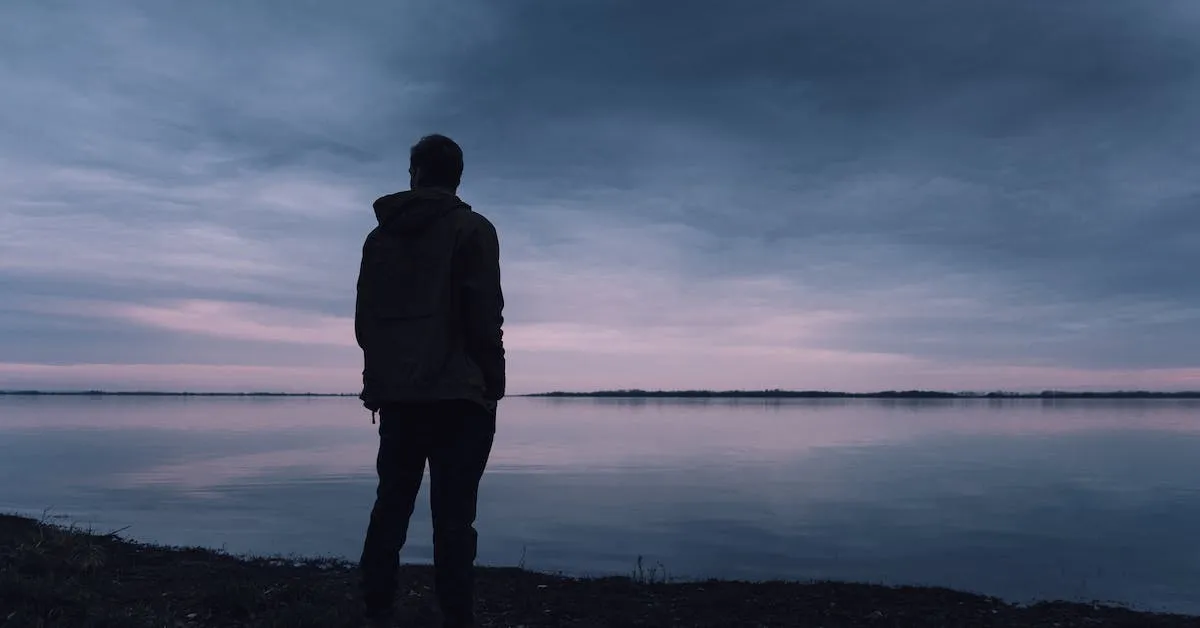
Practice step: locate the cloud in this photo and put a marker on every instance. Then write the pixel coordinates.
(234, 320)
(176, 377)
(838, 194)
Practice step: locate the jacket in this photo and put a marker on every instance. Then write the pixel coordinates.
(429, 309)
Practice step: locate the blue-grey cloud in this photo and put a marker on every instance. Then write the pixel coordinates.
(919, 185)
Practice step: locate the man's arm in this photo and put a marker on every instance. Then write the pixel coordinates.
(359, 301)
(483, 305)
(363, 322)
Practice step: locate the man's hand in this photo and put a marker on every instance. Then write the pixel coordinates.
(490, 404)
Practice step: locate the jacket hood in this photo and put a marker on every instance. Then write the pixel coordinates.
(412, 211)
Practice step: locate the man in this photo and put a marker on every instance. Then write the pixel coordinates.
(428, 319)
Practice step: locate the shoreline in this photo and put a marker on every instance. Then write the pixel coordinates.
(61, 576)
(673, 394)
(887, 394)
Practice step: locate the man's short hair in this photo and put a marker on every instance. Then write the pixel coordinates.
(440, 160)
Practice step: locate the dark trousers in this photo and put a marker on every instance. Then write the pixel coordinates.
(456, 438)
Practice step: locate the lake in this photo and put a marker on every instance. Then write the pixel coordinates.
(1024, 499)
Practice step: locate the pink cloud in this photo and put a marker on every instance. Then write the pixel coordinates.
(178, 377)
(741, 342)
(243, 321)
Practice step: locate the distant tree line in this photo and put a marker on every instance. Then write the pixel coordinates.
(690, 394)
(886, 394)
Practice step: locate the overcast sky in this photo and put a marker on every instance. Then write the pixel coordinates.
(830, 194)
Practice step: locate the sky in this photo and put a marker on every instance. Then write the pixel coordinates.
(830, 194)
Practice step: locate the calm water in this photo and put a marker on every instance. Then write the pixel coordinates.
(1022, 499)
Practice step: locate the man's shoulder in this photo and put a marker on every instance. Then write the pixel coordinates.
(372, 235)
(472, 220)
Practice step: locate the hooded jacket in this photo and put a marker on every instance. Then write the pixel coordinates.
(429, 312)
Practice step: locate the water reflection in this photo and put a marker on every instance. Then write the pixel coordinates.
(1024, 499)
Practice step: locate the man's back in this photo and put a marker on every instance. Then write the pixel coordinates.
(428, 319)
(430, 308)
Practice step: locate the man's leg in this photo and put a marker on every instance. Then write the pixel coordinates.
(404, 444)
(462, 444)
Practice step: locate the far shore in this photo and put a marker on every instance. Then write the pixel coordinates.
(678, 394)
(887, 394)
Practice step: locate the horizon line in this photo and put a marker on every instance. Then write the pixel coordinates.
(676, 393)
(170, 393)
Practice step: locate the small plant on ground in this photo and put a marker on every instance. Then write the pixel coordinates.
(655, 574)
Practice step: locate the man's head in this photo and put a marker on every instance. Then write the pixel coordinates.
(435, 162)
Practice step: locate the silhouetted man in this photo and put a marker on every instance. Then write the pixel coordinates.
(428, 319)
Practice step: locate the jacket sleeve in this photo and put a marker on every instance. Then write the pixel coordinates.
(361, 298)
(483, 305)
